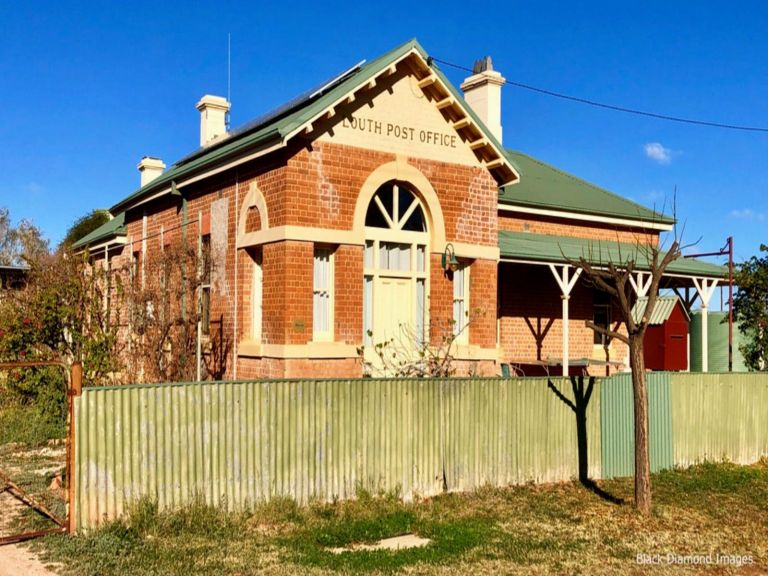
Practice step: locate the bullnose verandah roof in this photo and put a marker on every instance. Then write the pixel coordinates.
(543, 249)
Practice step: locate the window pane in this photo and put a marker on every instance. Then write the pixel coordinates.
(404, 201)
(374, 217)
(420, 302)
(394, 256)
(367, 310)
(385, 195)
(601, 317)
(256, 299)
(404, 252)
(420, 258)
(369, 254)
(321, 309)
(459, 319)
(384, 255)
(205, 312)
(416, 222)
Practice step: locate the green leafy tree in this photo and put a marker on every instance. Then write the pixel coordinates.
(84, 226)
(750, 308)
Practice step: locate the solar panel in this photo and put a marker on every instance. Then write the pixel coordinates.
(280, 111)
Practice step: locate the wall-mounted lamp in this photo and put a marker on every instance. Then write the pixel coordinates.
(449, 259)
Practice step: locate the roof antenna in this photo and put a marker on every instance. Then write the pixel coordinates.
(229, 78)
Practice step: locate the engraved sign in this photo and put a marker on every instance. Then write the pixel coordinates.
(402, 120)
(400, 131)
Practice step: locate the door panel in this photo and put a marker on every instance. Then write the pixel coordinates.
(393, 309)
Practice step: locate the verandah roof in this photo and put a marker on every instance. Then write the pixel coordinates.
(539, 248)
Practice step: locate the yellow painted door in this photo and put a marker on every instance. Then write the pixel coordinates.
(393, 312)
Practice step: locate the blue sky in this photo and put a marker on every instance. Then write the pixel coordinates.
(89, 88)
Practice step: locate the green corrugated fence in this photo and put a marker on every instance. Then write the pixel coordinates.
(247, 441)
(242, 442)
(618, 424)
(720, 416)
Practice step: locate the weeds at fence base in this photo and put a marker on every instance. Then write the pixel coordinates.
(558, 529)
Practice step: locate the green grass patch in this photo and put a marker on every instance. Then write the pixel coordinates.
(450, 539)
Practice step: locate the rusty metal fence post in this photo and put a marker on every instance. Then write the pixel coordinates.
(74, 390)
(74, 376)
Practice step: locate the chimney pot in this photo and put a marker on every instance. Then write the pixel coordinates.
(150, 168)
(482, 91)
(213, 118)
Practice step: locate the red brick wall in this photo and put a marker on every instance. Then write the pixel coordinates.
(531, 317)
(322, 185)
(482, 303)
(560, 227)
(287, 301)
(253, 220)
(348, 285)
(468, 197)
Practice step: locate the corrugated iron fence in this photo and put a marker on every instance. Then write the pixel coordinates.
(692, 417)
(240, 442)
(245, 441)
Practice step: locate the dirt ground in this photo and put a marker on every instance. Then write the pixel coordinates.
(32, 469)
(16, 559)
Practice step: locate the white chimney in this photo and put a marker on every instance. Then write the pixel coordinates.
(150, 168)
(482, 91)
(213, 118)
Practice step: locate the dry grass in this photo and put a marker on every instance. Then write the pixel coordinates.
(711, 509)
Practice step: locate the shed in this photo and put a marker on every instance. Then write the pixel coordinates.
(666, 340)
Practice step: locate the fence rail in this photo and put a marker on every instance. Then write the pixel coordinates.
(241, 442)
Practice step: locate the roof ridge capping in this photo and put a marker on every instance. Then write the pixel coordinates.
(570, 193)
(275, 131)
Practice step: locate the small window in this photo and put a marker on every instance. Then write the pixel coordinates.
(601, 317)
(257, 291)
(460, 304)
(205, 284)
(135, 269)
(368, 310)
(322, 309)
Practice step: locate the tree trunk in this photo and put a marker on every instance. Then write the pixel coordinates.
(642, 455)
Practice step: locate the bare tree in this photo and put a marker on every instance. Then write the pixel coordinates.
(164, 308)
(20, 245)
(617, 278)
(410, 354)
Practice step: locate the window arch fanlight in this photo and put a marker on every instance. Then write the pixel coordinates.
(395, 207)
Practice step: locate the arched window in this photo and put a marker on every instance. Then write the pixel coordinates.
(396, 268)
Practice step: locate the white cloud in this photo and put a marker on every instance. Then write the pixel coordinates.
(748, 214)
(33, 188)
(655, 151)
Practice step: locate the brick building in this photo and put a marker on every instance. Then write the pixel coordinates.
(332, 224)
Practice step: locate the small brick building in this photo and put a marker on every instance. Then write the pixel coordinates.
(331, 223)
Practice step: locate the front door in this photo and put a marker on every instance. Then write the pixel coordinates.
(394, 316)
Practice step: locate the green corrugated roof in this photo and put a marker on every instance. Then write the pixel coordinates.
(544, 186)
(661, 311)
(275, 127)
(115, 227)
(541, 248)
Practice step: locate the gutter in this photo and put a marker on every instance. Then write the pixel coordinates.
(166, 183)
